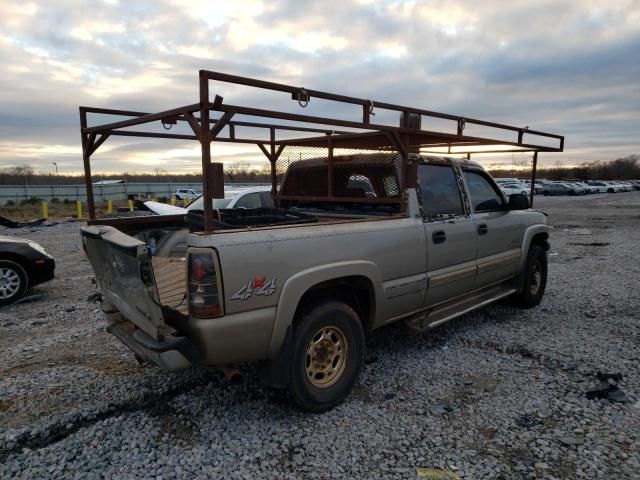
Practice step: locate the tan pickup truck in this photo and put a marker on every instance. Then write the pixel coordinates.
(298, 287)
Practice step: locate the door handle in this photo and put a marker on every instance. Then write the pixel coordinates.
(439, 236)
(483, 229)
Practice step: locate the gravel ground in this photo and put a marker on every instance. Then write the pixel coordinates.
(498, 393)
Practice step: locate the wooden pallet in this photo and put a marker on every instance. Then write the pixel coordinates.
(171, 282)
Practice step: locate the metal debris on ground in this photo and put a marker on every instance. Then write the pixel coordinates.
(436, 474)
(578, 231)
(616, 377)
(30, 298)
(94, 297)
(592, 244)
(5, 222)
(528, 421)
(607, 388)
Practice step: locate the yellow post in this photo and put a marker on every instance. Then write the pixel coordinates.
(79, 208)
(45, 210)
(109, 206)
(173, 201)
(185, 201)
(130, 205)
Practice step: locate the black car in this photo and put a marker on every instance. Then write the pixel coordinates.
(23, 264)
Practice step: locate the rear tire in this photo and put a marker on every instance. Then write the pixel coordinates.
(328, 352)
(13, 282)
(535, 277)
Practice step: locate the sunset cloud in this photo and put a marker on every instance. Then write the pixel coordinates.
(563, 66)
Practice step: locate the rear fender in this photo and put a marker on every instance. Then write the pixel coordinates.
(296, 286)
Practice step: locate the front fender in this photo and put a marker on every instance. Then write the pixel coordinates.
(529, 233)
(297, 285)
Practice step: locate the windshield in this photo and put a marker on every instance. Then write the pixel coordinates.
(198, 203)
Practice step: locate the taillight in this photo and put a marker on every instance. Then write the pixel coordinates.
(204, 294)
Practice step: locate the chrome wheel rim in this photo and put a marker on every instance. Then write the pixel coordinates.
(326, 357)
(536, 278)
(9, 283)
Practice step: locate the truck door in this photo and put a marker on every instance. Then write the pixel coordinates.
(450, 234)
(498, 231)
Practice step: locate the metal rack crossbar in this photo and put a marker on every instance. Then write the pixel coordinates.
(304, 131)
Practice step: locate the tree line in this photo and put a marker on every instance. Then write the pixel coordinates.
(625, 168)
(233, 173)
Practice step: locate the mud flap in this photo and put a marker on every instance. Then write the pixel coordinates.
(276, 372)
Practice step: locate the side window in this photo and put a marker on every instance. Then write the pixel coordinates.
(439, 191)
(391, 187)
(251, 200)
(267, 199)
(359, 186)
(484, 197)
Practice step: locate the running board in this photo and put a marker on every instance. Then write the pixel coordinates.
(450, 311)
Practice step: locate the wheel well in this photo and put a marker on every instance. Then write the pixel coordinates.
(356, 291)
(541, 239)
(14, 257)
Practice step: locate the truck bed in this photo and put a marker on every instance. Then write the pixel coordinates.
(238, 218)
(170, 276)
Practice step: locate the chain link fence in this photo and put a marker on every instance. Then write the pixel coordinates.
(366, 176)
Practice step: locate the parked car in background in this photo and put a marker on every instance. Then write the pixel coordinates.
(601, 187)
(615, 185)
(500, 181)
(185, 194)
(635, 183)
(255, 197)
(513, 188)
(558, 189)
(23, 264)
(625, 185)
(605, 186)
(579, 188)
(589, 189)
(539, 185)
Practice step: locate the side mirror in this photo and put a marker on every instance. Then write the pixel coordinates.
(518, 201)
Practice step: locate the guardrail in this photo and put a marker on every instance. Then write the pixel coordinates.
(116, 191)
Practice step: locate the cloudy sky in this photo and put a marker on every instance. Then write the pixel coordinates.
(567, 67)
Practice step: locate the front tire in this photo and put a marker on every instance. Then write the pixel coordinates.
(535, 277)
(13, 282)
(328, 352)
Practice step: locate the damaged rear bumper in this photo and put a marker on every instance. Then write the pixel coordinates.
(171, 353)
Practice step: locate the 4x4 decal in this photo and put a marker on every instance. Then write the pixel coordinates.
(257, 286)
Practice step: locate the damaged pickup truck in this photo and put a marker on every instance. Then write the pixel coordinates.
(356, 241)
